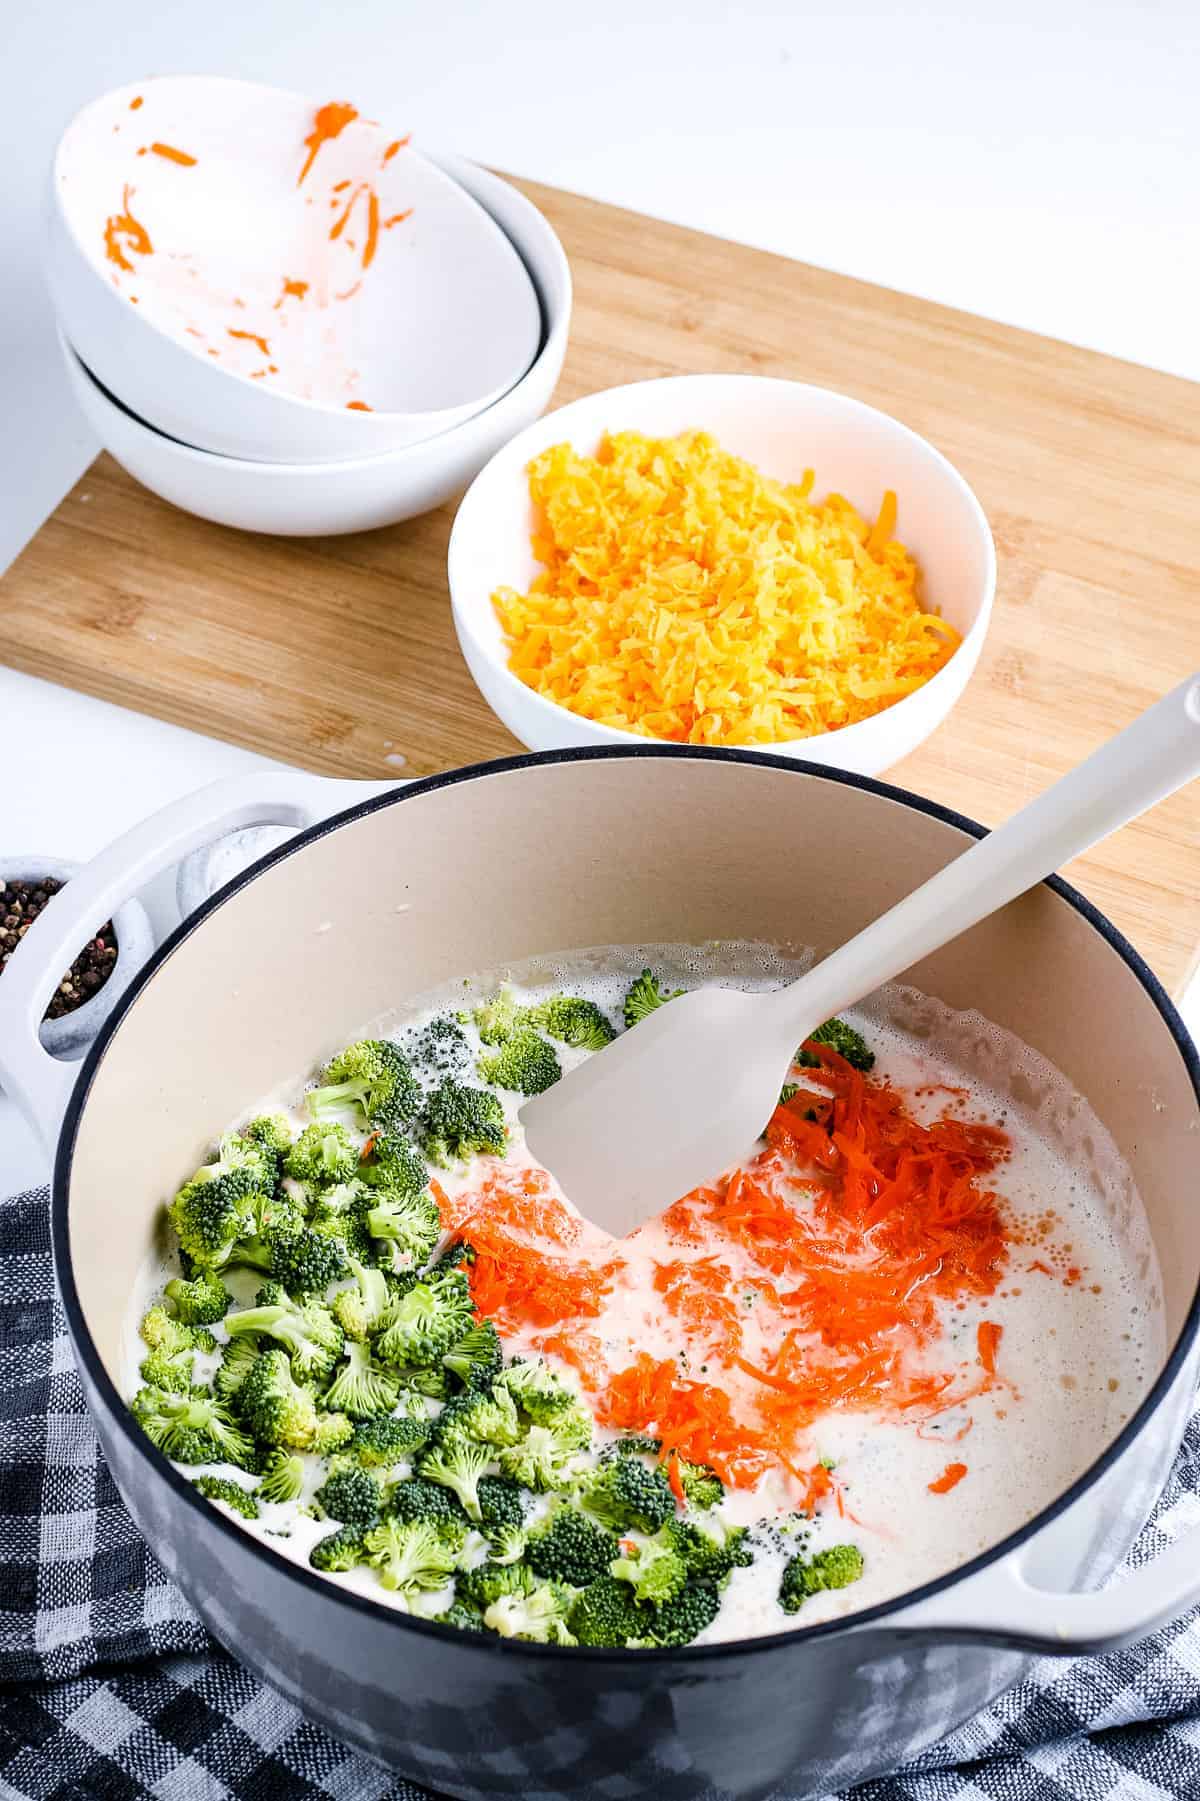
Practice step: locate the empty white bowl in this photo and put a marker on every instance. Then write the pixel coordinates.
(783, 427)
(310, 500)
(264, 278)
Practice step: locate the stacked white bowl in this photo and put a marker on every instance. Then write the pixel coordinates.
(282, 317)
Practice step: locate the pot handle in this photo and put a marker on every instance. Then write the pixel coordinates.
(999, 1605)
(41, 1084)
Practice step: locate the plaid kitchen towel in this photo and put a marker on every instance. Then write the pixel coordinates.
(111, 1690)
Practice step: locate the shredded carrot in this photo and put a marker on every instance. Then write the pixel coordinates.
(988, 1338)
(328, 122)
(950, 1478)
(123, 228)
(174, 156)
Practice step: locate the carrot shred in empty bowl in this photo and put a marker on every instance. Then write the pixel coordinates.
(686, 596)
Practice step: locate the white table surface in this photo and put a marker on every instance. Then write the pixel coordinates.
(1037, 163)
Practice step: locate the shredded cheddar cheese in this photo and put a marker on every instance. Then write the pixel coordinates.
(685, 596)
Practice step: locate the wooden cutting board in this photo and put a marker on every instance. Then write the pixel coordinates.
(339, 654)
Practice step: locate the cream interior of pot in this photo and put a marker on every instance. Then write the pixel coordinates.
(516, 864)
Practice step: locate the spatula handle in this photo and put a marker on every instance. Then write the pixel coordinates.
(1158, 753)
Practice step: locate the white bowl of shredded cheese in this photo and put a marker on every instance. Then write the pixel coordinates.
(723, 559)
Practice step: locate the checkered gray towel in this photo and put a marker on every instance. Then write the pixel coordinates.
(111, 1689)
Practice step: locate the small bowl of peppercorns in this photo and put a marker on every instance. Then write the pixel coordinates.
(86, 992)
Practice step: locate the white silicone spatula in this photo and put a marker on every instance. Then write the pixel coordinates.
(713, 1061)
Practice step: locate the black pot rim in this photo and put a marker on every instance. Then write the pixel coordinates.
(490, 1644)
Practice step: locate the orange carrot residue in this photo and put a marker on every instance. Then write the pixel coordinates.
(252, 337)
(329, 120)
(397, 218)
(358, 406)
(339, 225)
(339, 185)
(368, 255)
(950, 1478)
(135, 103)
(174, 156)
(988, 1338)
(398, 144)
(123, 226)
(675, 1478)
(296, 290)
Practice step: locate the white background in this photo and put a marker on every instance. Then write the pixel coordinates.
(1038, 163)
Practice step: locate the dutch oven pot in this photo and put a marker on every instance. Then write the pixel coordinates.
(485, 867)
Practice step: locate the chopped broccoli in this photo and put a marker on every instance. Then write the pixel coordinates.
(274, 1406)
(334, 1431)
(538, 1392)
(396, 1165)
(308, 1331)
(609, 1615)
(572, 1020)
(458, 1464)
(439, 1048)
(506, 1542)
(635, 1444)
(427, 1321)
(339, 1551)
(702, 1485)
(709, 1547)
(385, 1440)
(541, 1461)
(840, 1038)
(487, 1415)
(171, 1373)
(685, 1617)
(191, 1427)
(430, 1381)
(502, 1517)
(282, 1477)
(273, 1132)
(360, 1387)
(212, 1211)
(362, 1309)
(657, 1573)
(541, 1616)
(237, 1359)
(484, 1583)
(409, 1555)
(350, 1495)
(174, 1340)
(460, 1615)
(458, 1255)
(372, 1076)
(496, 1020)
(787, 1092)
(409, 1225)
(459, 1121)
(645, 996)
(417, 1499)
(524, 1063)
(306, 1262)
(477, 1357)
(623, 1494)
(570, 1548)
(200, 1302)
(224, 1488)
(323, 1155)
(835, 1567)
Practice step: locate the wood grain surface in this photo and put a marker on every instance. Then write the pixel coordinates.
(339, 654)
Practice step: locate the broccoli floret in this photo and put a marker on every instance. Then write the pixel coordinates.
(306, 1262)
(224, 1488)
(458, 1255)
(679, 1621)
(460, 1615)
(623, 1493)
(385, 1440)
(323, 1155)
(486, 1415)
(541, 1395)
(459, 1121)
(540, 1616)
(159, 1371)
(524, 1063)
(635, 1444)
(409, 1226)
(701, 1485)
(458, 1464)
(341, 1550)
(477, 1357)
(609, 1615)
(360, 1387)
(656, 1572)
(541, 1461)
(273, 1132)
(431, 1381)
(308, 1331)
(334, 1431)
(417, 1499)
(192, 1427)
(340, 1213)
(409, 1555)
(844, 1040)
(276, 1408)
(395, 1165)
(237, 1359)
(486, 1582)
(439, 1048)
(171, 1338)
(835, 1567)
(645, 996)
(200, 1302)
(496, 1020)
(570, 1548)
(362, 1309)
(572, 1020)
(212, 1211)
(501, 1504)
(427, 1321)
(351, 1495)
(373, 1077)
(282, 1477)
(709, 1547)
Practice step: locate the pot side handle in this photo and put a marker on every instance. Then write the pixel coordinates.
(999, 1605)
(41, 1084)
